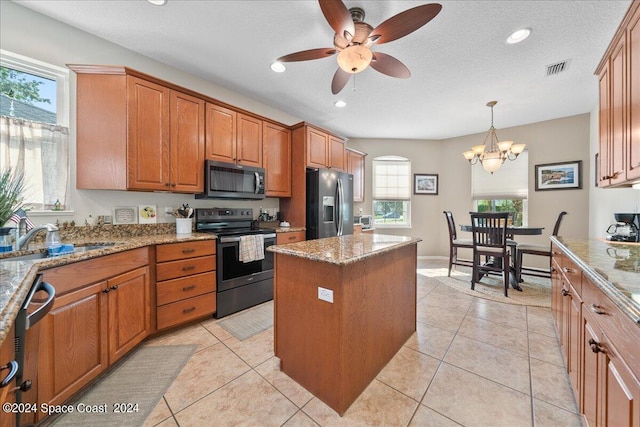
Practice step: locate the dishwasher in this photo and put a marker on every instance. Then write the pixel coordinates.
(25, 320)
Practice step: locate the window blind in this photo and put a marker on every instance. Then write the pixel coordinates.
(391, 179)
(511, 181)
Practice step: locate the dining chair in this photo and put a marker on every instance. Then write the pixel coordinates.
(489, 231)
(455, 244)
(539, 250)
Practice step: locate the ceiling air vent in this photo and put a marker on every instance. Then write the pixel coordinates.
(557, 68)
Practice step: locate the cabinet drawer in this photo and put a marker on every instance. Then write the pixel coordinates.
(174, 290)
(290, 237)
(572, 273)
(185, 267)
(623, 332)
(175, 251)
(186, 310)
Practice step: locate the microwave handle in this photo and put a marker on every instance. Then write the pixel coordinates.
(257, 175)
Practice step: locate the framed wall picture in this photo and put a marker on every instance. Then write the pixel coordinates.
(424, 183)
(125, 215)
(559, 176)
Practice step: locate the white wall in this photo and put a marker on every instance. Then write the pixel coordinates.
(31, 34)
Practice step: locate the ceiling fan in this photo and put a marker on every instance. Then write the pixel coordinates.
(354, 38)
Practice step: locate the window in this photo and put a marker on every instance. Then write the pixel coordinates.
(506, 190)
(391, 191)
(34, 115)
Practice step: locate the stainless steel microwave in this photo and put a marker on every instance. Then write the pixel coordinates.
(231, 181)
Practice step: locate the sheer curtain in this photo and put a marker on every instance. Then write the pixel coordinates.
(41, 151)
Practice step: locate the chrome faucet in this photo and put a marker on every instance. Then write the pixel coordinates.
(23, 242)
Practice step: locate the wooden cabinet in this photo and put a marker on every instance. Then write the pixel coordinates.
(7, 395)
(290, 237)
(276, 149)
(324, 150)
(135, 132)
(355, 166)
(101, 311)
(232, 136)
(619, 113)
(186, 282)
(600, 347)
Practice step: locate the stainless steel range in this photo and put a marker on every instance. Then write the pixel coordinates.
(244, 277)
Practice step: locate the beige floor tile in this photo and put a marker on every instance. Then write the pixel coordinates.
(430, 340)
(439, 317)
(427, 417)
(547, 415)
(471, 400)
(206, 371)
(160, 413)
(249, 400)
(550, 383)
(378, 405)
(423, 287)
(270, 370)
(212, 326)
(193, 334)
(545, 348)
(446, 297)
(409, 372)
(253, 350)
(497, 312)
(169, 422)
(498, 335)
(300, 419)
(540, 321)
(502, 366)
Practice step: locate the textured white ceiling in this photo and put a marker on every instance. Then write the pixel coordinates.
(459, 61)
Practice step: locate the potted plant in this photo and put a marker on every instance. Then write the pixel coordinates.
(12, 184)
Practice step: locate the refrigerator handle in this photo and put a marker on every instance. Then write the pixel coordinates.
(339, 204)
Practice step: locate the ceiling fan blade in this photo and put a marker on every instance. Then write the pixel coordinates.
(404, 23)
(340, 80)
(387, 64)
(307, 55)
(338, 16)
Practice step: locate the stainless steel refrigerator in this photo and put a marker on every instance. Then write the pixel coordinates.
(329, 203)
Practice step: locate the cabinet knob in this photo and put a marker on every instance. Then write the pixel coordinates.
(173, 184)
(565, 292)
(595, 346)
(568, 270)
(107, 290)
(114, 287)
(188, 267)
(188, 288)
(597, 309)
(188, 250)
(166, 184)
(188, 310)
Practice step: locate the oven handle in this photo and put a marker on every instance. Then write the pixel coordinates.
(237, 238)
(37, 315)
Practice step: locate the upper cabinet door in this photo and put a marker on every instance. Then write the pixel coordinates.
(277, 159)
(337, 157)
(187, 143)
(317, 148)
(618, 119)
(633, 89)
(249, 141)
(220, 140)
(605, 128)
(148, 135)
(355, 166)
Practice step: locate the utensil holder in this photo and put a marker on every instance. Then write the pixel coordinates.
(183, 225)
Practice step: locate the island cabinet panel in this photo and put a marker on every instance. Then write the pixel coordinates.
(276, 157)
(335, 349)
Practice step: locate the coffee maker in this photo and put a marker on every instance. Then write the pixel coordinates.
(626, 228)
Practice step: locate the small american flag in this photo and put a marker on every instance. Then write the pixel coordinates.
(19, 215)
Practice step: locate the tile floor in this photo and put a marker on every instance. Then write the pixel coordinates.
(472, 362)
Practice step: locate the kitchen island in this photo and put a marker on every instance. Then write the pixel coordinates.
(343, 307)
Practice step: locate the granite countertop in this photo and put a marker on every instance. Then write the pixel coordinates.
(612, 266)
(344, 249)
(16, 277)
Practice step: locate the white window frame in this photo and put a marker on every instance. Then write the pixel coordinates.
(407, 201)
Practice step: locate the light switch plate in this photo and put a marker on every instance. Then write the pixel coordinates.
(325, 294)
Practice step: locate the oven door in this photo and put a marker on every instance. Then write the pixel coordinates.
(231, 272)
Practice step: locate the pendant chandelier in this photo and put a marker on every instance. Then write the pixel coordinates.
(493, 155)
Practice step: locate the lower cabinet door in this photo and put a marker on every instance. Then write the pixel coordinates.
(129, 311)
(621, 390)
(73, 339)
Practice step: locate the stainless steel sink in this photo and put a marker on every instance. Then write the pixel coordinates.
(44, 254)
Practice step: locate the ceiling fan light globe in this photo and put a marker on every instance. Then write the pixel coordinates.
(354, 59)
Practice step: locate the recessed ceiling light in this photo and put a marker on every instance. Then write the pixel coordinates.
(157, 2)
(340, 103)
(278, 67)
(519, 35)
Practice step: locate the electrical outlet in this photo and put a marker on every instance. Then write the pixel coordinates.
(360, 211)
(325, 294)
(168, 211)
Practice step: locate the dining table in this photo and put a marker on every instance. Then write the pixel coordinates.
(512, 230)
